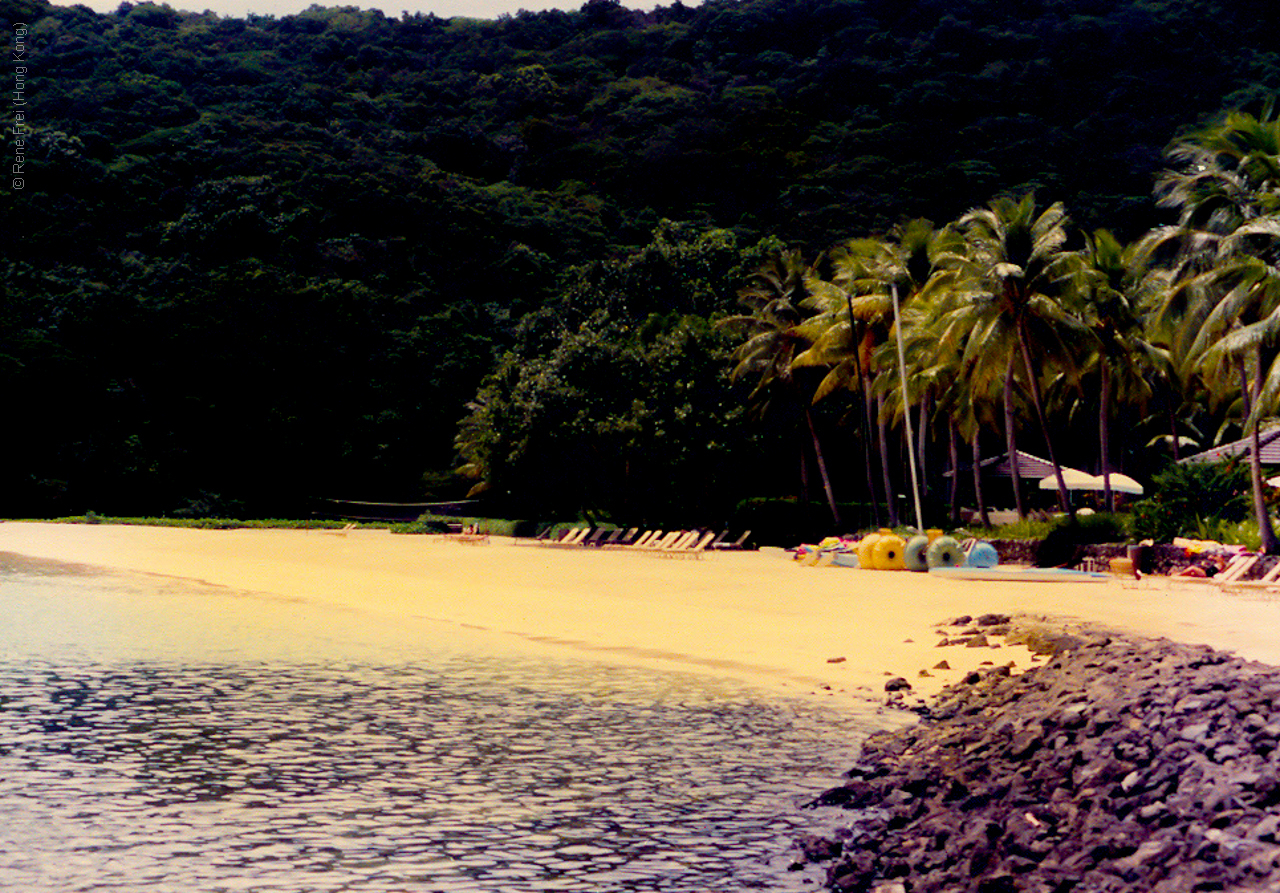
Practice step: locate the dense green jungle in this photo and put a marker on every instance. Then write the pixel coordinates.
(259, 262)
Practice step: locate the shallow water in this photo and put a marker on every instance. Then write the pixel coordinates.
(161, 735)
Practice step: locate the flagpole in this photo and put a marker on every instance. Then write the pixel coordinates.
(906, 407)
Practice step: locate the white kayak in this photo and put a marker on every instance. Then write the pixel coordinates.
(1024, 574)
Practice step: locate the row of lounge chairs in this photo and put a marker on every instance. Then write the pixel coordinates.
(674, 544)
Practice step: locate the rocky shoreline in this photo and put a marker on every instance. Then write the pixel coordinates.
(1121, 764)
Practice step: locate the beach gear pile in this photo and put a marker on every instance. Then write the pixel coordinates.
(886, 550)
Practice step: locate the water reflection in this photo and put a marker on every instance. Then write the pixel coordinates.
(452, 771)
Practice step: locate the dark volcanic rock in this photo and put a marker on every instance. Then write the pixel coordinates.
(1119, 765)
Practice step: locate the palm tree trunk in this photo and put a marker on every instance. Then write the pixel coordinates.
(977, 478)
(873, 452)
(1033, 384)
(924, 439)
(1270, 545)
(1011, 440)
(866, 414)
(953, 453)
(891, 504)
(1246, 392)
(822, 467)
(1104, 433)
(804, 475)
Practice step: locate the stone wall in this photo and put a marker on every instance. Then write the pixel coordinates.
(1158, 559)
(1123, 764)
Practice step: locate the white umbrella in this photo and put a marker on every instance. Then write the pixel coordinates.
(1122, 483)
(1074, 478)
(1082, 480)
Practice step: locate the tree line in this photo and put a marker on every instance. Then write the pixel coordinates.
(1005, 325)
(263, 259)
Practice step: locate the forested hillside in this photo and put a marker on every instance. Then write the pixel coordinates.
(256, 261)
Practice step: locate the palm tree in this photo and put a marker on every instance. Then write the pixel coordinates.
(965, 389)
(1226, 190)
(842, 342)
(1017, 263)
(870, 276)
(1113, 287)
(847, 325)
(774, 339)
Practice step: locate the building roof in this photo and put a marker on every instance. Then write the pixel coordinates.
(1268, 441)
(1029, 466)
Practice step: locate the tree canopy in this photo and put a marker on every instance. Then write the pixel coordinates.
(265, 259)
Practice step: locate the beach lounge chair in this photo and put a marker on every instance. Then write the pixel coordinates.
(577, 538)
(1229, 574)
(676, 539)
(1233, 574)
(631, 540)
(720, 538)
(613, 537)
(695, 548)
(596, 537)
(541, 537)
(645, 539)
(572, 537)
(1269, 581)
(658, 543)
(737, 544)
(683, 541)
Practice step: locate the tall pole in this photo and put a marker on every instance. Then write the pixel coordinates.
(906, 407)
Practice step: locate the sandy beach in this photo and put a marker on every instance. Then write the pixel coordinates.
(829, 632)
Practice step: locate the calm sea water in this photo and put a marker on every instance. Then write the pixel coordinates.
(160, 735)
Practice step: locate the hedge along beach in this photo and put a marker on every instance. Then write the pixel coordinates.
(833, 632)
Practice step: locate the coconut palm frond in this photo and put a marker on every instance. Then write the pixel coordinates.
(842, 377)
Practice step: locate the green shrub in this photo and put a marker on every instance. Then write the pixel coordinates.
(1187, 499)
(1023, 530)
(422, 525)
(431, 523)
(1061, 545)
(1232, 533)
(209, 523)
(789, 522)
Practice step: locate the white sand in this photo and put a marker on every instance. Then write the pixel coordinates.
(750, 616)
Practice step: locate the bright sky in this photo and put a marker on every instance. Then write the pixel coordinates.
(477, 9)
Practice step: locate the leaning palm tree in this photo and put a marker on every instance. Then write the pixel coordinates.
(1226, 190)
(1017, 263)
(774, 337)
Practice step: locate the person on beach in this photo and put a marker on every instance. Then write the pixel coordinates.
(1207, 567)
